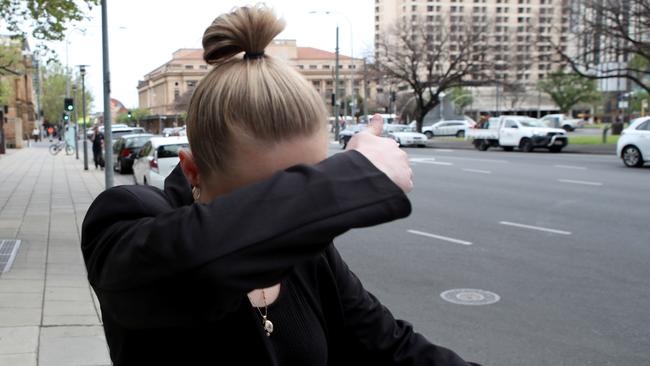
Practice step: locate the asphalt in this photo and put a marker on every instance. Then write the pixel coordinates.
(577, 295)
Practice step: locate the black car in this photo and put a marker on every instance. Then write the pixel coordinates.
(125, 150)
(351, 130)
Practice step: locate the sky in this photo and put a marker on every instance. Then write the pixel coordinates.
(143, 34)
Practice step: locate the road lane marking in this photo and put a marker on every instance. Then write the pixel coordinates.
(538, 228)
(583, 182)
(571, 167)
(440, 237)
(477, 171)
(429, 161)
(443, 150)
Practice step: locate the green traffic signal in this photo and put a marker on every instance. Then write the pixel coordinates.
(68, 104)
(129, 115)
(66, 117)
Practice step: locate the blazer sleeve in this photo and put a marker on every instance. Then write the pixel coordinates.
(382, 339)
(155, 265)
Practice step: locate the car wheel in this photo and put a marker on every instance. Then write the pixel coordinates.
(481, 145)
(508, 148)
(568, 128)
(632, 157)
(460, 134)
(429, 134)
(526, 145)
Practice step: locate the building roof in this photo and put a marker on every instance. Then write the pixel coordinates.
(310, 53)
(188, 53)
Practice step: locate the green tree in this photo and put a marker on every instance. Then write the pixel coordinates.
(567, 90)
(137, 114)
(10, 67)
(54, 91)
(461, 98)
(42, 20)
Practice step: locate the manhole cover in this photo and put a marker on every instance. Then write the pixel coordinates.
(8, 250)
(468, 296)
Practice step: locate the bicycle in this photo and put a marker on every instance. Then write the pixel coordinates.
(58, 146)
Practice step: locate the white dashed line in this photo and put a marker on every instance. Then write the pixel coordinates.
(583, 182)
(538, 228)
(440, 237)
(477, 171)
(430, 161)
(571, 167)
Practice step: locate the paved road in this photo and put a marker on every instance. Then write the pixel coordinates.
(563, 239)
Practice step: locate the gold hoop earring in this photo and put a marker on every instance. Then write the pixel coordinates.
(196, 193)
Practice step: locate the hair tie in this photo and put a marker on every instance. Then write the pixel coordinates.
(252, 56)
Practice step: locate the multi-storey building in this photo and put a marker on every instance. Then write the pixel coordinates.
(523, 34)
(162, 88)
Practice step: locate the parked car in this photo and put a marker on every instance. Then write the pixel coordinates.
(404, 135)
(351, 130)
(634, 144)
(117, 126)
(157, 159)
(126, 148)
(526, 133)
(456, 128)
(562, 121)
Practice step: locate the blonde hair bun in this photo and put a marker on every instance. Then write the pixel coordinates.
(246, 29)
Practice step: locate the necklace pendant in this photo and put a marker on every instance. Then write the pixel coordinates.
(268, 326)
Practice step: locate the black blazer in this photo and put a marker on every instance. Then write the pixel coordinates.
(172, 276)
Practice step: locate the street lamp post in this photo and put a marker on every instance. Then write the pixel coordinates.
(76, 126)
(442, 105)
(82, 71)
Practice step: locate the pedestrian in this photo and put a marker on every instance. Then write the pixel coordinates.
(36, 133)
(97, 139)
(240, 268)
(50, 133)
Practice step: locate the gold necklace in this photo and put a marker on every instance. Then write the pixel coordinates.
(266, 324)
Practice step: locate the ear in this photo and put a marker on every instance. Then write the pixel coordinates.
(188, 166)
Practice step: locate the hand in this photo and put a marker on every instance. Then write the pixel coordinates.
(385, 155)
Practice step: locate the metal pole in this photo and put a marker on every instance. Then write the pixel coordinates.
(76, 125)
(82, 70)
(108, 140)
(365, 90)
(336, 87)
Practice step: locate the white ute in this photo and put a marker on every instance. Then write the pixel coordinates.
(523, 132)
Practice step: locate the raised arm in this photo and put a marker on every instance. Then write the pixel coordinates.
(199, 259)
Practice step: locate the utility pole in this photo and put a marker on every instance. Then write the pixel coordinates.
(75, 119)
(336, 87)
(82, 71)
(108, 139)
(365, 90)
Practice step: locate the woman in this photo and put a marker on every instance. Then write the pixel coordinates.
(97, 140)
(242, 270)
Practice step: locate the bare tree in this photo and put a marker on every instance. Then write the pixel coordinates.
(429, 56)
(609, 35)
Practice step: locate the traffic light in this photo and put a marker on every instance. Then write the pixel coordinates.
(66, 117)
(68, 104)
(129, 115)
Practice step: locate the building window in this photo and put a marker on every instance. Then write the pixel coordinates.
(203, 67)
(326, 66)
(313, 67)
(301, 67)
(191, 84)
(189, 67)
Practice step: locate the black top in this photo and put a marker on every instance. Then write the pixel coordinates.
(298, 337)
(172, 275)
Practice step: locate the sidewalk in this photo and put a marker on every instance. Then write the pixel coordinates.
(48, 312)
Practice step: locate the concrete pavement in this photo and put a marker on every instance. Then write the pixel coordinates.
(48, 312)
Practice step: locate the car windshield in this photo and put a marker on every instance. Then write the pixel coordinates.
(138, 141)
(531, 122)
(398, 128)
(170, 151)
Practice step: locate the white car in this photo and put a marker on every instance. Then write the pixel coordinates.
(634, 144)
(456, 128)
(157, 159)
(405, 135)
(562, 121)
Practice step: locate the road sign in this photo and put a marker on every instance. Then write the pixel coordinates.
(623, 104)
